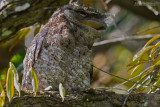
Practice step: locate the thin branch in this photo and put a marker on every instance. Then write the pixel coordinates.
(126, 79)
(124, 103)
(147, 30)
(134, 77)
(139, 41)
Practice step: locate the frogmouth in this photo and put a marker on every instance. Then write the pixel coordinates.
(62, 50)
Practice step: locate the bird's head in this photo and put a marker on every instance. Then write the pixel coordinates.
(86, 15)
(87, 19)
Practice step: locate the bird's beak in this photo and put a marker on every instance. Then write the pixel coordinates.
(95, 23)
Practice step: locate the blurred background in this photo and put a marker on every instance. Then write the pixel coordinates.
(132, 17)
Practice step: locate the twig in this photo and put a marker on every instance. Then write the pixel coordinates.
(126, 79)
(147, 30)
(127, 97)
(134, 77)
(105, 44)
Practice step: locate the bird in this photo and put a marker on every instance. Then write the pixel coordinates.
(62, 50)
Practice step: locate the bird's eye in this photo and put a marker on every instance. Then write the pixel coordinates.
(82, 13)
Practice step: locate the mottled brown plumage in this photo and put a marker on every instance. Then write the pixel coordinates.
(61, 51)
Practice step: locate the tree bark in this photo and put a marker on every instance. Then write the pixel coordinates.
(18, 14)
(89, 98)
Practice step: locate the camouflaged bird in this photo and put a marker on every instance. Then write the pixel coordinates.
(61, 51)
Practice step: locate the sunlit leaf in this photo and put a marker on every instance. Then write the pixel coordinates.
(141, 52)
(16, 78)
(144, 57)
(18, 58)
(157, 83)
(34, 81)
(87, 2)
(10, 84)
(158, 63)
(149, 76)
(142, 84)
(1, 88)
(37, 30)
(154, 54)
(134, 63)
(152, 40)
(2, 96)
(156, 46)
(19, 36)
(147, 72)
(62, 91)
(137, 70)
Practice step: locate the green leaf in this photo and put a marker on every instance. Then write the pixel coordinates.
(158, 63)
(21, 34)
(153, 55)
(2, 96)
(156, 46)
(140, 88)
(34, 81)
(16, 78)
(62, 91)
(144, 57)
(137, 70)
(157, 83)
(141, 52)
(37, 30)
(147, 72)
(10, 84)
(1, 88)
(133, 63)
(152, 40)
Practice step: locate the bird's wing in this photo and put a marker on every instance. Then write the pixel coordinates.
(39, 40)
(34, 49)
(32, 55)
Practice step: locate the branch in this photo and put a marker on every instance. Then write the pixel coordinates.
(19, 14)
(139, 10)
(131, 42)
(89, 98)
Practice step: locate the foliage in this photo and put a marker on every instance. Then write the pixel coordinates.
(34, 81)
(10, 84)
(2, 95)
(62, 91)
(13, 81)
(18, 58)
(148, 58)
(16, 78)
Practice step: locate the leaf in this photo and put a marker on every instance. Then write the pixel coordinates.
(154, 55)
(37, 30)
(133, 63)
(34, 81)
(2, 98)
(137, 70)
(156, 46)
(141, 52)
(1, 88)
(158, 63)
(142, 86)
(152, 40)
(62, 91)
(144, 57)
(16, 78)
(148, 71)
(10, 84)
(19, 36)
(157, 83)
